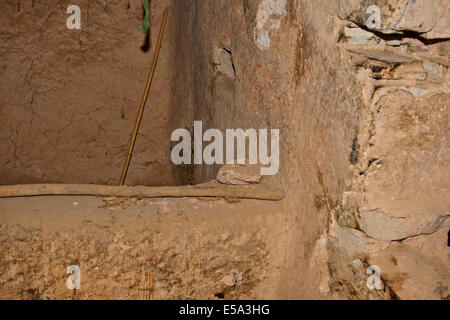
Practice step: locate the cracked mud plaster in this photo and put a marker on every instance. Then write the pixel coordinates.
(68, 103)
(268, 19)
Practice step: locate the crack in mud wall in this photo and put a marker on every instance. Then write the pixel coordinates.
(69, 98)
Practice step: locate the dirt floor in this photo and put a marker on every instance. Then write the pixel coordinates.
(137, 249)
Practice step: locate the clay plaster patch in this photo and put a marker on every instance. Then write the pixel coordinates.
(268, 18)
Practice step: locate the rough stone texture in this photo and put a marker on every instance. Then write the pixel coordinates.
(406, 159)
(239, 174)
(347, 265)
(399, 200)
(416, 268)
(428, 18)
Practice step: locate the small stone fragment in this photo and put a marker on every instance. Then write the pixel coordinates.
(239, 174)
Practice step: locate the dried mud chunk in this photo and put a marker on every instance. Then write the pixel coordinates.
(239, 174)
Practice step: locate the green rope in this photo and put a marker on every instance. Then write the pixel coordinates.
(146, 25)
